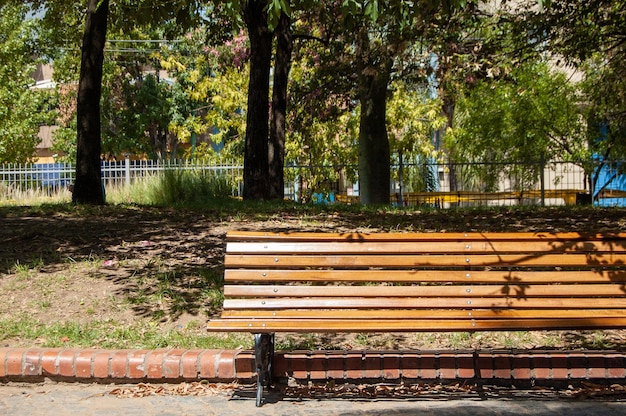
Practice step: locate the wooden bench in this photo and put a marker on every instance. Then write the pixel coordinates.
(401, 282)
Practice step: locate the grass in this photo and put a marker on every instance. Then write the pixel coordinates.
(170, 188)
(159, 290)
(114, 335)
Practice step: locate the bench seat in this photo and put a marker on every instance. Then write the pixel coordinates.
(405, 282)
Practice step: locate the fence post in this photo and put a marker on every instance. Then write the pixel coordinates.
(127, 168)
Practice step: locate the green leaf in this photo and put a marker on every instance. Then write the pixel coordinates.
(371, 10)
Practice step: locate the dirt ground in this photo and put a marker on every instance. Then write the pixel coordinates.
(163, 267)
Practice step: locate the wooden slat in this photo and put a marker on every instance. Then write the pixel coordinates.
(420, 313)
(478, 289)
(492, 236)
(518, 291)
(417, 261)
(391, 325)
(424, 247)
(425, 303)
(418, 276)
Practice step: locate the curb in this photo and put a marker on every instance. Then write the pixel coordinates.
(178, 365)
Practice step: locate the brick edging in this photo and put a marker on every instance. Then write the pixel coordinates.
(124, 365)
(227, 365)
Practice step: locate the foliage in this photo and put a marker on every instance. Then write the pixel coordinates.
(198, 102)
(589, 35)
(21, 108)
(531, 114)
(412, 118)
(351, 64)
(213, 81)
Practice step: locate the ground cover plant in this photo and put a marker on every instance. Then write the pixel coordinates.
(128, 276)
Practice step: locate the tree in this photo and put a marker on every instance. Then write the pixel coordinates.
(264, 146)
(88, 186)
(589, 36)
(530, 114)
(374, 43)
(173, 16)
(209, 93)
(277, 134)
(256, 157)
(21, 107)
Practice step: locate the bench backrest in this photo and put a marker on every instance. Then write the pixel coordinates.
(325, 282)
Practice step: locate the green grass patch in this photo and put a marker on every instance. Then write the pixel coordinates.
(115, 335)
(175, 188)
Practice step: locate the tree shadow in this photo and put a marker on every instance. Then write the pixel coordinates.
(163, 264)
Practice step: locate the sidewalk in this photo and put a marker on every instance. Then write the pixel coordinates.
(43, 399)
(80, 381)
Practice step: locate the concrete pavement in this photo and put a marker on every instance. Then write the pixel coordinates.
(53, 398)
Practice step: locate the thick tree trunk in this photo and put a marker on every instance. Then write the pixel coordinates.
(374, 157)
(256, 153)
(88, 186)
(374, 73)
(284, 49)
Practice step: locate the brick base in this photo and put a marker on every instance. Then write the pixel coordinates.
(227, 365)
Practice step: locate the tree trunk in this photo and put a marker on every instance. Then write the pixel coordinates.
(256, 153)
(88, 187)
(284, 48)
(374, 153)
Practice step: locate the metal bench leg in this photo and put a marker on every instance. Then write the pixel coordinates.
(263, 357)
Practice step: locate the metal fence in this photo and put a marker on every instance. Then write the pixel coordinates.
(432, 184)
(52, 177)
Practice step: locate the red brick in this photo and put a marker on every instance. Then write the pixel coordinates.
(317, 365)
(244, 365)
(541, 366)
(208, 363)
(14, 362)
(226, 365)
(428, 366)
(560, 370)
(465, 366)
(447, 367)
(615, 365)
(597, 367)
(190, 364)
(172, 364)
(410, 366)
(354, 365)
(484, 364)
(502, 366)
(154, 364)
(32, 363)
(83, 364)
(101, 361)
(136, 364)
(521, 367)
(391, 366)
(372, 365)
(3, 366)
(119, 364)
(50, 363)
(67, 361)
(577, 364)
(335, 365)
(297, 364)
